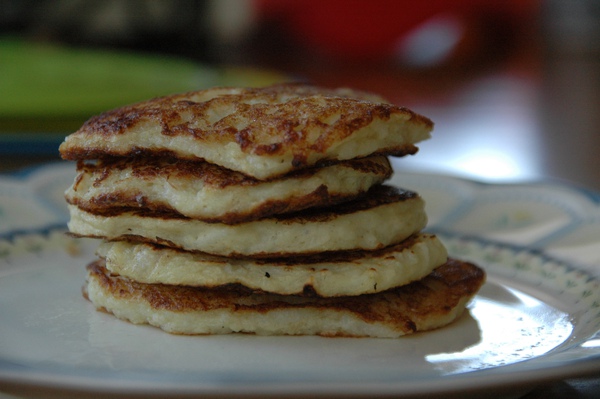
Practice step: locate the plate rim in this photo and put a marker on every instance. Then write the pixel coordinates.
(472, 381)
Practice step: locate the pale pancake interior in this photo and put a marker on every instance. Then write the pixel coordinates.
(341, 274)
(385, 217)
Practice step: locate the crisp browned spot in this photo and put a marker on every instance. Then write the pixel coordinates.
(378, 195)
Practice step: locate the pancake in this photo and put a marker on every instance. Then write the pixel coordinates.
(384, 217)
(260, 132)
(340, 274)
(429, 303)
(208, 192)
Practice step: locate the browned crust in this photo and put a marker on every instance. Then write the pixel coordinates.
(404, 308)
(378, 195)
(265, 121)
(209, 174)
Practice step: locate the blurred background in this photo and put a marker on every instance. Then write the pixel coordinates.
(512, 86)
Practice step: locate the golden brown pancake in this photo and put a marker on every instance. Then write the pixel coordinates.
(429, 303)
(385, 216)
(261, 210)
(332, 274)
(211, 193)
(260, 132)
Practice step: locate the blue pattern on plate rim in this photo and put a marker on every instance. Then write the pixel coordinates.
(533, 266)
(508, 213)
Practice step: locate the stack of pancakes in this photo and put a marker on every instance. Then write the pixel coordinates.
(262, 211)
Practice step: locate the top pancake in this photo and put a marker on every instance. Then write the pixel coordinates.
(261, 132)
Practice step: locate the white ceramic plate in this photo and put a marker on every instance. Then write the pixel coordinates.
(535, 319)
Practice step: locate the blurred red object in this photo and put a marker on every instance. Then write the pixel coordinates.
(376, 29)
